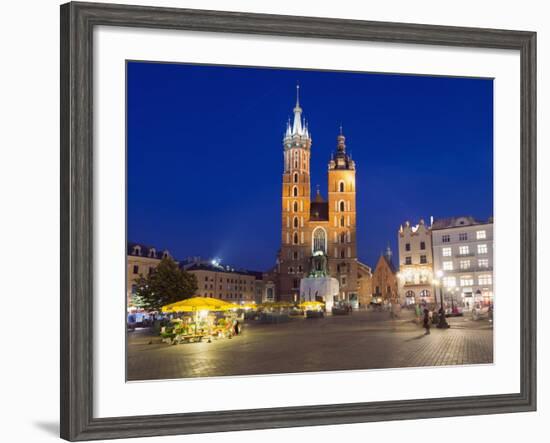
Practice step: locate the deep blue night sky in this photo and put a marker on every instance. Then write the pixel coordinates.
(205, 153)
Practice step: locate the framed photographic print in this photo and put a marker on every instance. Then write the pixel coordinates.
(273, 221)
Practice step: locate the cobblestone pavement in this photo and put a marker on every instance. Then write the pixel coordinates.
(364, 340)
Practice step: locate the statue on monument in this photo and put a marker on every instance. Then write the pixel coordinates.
(318, 265)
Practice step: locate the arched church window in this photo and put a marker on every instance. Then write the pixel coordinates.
(295, 222)
(295, 191)
(341, 186)
(295, 238)
(342, 253)
(343, 237)
(295, 207)
(342, 206)
(342, 223)
(296, 177)
(319, 240)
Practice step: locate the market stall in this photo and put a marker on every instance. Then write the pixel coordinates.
(313, 309)
(202, 318)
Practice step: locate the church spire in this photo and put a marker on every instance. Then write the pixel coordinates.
(341, 147)
(389, 253)
(297, 127)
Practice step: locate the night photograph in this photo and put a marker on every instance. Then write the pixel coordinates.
(286, 220)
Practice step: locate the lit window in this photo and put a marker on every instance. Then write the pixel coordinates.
(447, 252)
(466, 281)
(464, 264)
(464, 250)
(480, 235)
(449, 282)
(319, 240)
(482, 249)
(463, 236)
(446, 238)
(485, 279)
(483, 262)
(447, 265)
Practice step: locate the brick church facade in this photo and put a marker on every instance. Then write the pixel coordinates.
(316, 226)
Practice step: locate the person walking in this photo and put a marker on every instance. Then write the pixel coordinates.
(427, 321)
(418, 313)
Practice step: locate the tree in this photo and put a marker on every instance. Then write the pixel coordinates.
(166, 284)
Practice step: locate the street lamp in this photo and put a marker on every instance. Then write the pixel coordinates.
(442, 319)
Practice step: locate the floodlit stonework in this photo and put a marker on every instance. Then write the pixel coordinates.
(415, 264)
(313, 226)
(141, 260)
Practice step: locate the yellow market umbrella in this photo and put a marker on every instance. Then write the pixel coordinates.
(199, 304)
(276, 304)
(311, 305)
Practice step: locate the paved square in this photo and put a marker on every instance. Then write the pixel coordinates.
(364, 340)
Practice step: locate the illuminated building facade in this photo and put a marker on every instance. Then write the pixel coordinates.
(318, 226)
(415, 277)
(223, 282)
(384, 280)
(463, 256)
(141, 259)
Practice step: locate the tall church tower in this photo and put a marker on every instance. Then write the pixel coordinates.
(316, 231)
(295, 204)
(342, 218)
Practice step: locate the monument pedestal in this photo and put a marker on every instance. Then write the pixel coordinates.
(319, 289)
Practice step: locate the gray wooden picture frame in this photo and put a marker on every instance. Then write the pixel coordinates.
(77, 23)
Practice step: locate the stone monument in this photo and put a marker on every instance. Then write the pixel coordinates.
(318, 286)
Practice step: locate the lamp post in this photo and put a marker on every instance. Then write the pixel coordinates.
(442, 319)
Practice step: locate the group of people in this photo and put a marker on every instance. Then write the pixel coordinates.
(428, 316)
